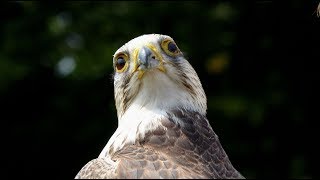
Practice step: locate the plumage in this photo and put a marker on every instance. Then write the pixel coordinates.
(162, 129)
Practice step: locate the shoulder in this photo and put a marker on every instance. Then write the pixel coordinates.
(97, 169)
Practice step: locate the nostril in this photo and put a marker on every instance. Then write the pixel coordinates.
(153, 57)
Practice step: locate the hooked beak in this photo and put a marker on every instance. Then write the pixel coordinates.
(147, 58)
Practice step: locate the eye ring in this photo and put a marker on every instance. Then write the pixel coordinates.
(120, 62)
(170, 47)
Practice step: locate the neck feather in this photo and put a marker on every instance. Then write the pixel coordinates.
(158, 95)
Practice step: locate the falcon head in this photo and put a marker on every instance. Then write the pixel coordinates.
(152, 73)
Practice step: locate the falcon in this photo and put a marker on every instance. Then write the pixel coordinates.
(162, 129)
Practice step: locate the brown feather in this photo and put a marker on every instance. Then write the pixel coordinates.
(187, 150)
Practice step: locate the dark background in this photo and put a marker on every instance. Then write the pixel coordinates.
(257, 62)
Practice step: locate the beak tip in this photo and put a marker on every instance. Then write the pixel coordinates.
(147, 58)
(144, 55)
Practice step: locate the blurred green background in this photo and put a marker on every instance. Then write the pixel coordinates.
(256, 61)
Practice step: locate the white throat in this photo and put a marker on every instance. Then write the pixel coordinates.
(158, 94)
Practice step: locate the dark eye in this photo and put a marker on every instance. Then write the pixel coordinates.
(169, 47)
(172, 47)
(120, 63)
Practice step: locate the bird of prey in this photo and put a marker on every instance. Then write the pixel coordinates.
(162, 129)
